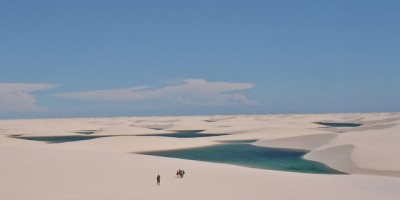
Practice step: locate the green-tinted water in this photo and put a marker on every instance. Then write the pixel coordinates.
(251, 156)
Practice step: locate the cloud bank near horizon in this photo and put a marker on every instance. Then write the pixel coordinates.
(189, 92)
(18, 97)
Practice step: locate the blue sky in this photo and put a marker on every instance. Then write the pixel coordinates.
(139, 58)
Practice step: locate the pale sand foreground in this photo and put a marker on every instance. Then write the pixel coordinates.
(106, 168)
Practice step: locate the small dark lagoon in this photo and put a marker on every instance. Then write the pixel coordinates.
(59, 139)
(245, 154)
(339, 125)
(185, 134)
(88, 135)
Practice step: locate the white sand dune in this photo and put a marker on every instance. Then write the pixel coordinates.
(306, 142)
(108, 168)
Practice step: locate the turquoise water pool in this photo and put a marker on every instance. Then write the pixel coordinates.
(248, 155)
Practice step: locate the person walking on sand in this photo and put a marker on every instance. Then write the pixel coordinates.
(158, 180)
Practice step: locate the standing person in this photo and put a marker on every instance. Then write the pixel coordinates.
(158, 180)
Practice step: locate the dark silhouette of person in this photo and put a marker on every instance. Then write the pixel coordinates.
(158, 180)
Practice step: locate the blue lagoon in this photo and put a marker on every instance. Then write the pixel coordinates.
(245, 154)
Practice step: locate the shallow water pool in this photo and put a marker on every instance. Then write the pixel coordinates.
(248, 155)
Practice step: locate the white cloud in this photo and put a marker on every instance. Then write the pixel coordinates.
(190, 91)
(17, 97)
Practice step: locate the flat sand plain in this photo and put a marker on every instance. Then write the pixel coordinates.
(109, 167)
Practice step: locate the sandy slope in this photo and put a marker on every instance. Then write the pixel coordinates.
(106, 168)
